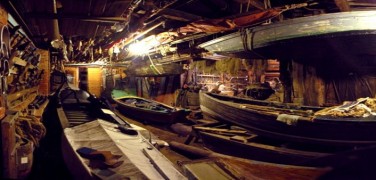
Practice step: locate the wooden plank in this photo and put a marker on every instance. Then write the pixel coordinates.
(241, 132)
(94, 77)
(8, 138)
(343, 5)
(62, 118)
(39, 112)
(3, 15)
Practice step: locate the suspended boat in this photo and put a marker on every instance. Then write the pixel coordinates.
(126, 156)
(149, 111)
(352, 34)
(289, 124)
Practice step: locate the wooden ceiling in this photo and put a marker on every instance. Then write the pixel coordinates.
(98, 19)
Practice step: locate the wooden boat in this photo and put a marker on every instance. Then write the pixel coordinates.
(297, 125)
(137, 157)
(88, 126)
(309, 37)
(149, 111)
(78, 106)
(251, 146)
(217, 165)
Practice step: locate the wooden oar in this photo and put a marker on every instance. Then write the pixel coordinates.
(241, 132)
(251, 169)
(284, 110)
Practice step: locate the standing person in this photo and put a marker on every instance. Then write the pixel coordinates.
(182, 100)
(217, 88)
(275, 85)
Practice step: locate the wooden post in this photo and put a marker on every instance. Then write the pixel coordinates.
(94, 77)
(44, 64)
(343, 5)
(3, 16)
(8, 139)
(285, 68)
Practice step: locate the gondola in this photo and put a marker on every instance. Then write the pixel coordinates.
(288, 122)
(150, 111)
(96, 143)
(77, 106)
(126, 156)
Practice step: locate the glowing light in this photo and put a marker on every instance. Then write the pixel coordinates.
(116, 50)
(143, 46)
(139, 48)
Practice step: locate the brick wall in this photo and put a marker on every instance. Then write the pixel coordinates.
(44, 85)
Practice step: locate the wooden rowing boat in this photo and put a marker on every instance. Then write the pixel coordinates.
(136, 157)
(91, 128)
(287, 123)
(251, 146)
(78, 106)
(148, 110)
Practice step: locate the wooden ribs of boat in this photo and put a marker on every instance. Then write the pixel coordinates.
(289, 126)
(78, 107)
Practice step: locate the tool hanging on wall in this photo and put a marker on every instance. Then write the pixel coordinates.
(4, 62)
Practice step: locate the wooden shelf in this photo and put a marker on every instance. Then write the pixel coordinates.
(21, 99)
(208, 75)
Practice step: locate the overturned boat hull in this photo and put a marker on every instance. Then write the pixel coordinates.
(351, 34)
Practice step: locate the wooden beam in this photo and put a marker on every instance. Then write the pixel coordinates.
(343, 5)
(255, 3)
(8, 138)
(362, 4)
(179, 15)
(77, 17)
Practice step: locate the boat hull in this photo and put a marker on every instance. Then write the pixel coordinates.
(257, 150)
(102, 136)
(170, 116)
(327, 36)
(338, 132)
(78, 107)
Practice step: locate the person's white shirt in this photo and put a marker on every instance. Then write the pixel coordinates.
(221, 87)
